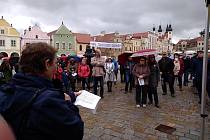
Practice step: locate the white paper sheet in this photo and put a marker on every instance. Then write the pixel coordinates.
(87, 100)
(141, 82)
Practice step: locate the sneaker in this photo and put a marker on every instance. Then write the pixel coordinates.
(144, 105)
(137, 106)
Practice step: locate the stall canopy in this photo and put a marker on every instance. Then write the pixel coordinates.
(144, 52)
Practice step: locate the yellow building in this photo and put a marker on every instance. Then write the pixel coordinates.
(82, 41)
(9, 39)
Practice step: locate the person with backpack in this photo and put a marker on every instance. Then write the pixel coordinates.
(31, 105)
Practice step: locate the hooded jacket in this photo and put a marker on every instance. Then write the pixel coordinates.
(49, 116)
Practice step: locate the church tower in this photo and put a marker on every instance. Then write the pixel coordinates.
(160, 31)
(170, 32)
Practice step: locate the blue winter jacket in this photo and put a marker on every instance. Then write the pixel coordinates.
(49, 117)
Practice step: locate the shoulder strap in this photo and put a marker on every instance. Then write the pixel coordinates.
(25, 110)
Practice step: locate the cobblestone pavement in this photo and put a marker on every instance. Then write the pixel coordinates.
(118, 118)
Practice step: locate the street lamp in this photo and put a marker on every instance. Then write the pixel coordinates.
(205, 60)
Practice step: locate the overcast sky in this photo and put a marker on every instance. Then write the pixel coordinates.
(93, 16)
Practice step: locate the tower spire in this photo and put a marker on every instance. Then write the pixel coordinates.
(160, 29)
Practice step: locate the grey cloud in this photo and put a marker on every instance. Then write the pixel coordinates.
(124, 16)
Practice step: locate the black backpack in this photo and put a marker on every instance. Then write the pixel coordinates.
(24, 109)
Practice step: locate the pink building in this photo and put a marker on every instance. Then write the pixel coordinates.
(32, 35)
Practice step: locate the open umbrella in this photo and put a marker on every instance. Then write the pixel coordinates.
(144, 52)
(76, 58)
(122, 58)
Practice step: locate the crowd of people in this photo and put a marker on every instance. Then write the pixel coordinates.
(168, 71)
(49, 86)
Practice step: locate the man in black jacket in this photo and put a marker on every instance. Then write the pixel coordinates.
(166, 66)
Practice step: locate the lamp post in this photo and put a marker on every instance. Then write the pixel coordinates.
(205, 60)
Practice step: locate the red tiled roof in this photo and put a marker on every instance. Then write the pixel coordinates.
(140, 35)
(183, 40)
(82, 38)
(199, 39)
(51, 33)
(104, 38)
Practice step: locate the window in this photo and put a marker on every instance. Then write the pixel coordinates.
(36, 36)
(69, 46)
(63, 46)
(13, 43)
(199, 44)
(80, 47)
(57, 45)
(2, 42)
(2, 31)
(202, 43)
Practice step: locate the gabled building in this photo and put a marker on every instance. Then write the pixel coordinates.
(182, 45)
(63, 40)
(140, 41)
(82, 41)
(9, 39)
(32, 35)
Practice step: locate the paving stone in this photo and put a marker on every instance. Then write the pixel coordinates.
(197, 133)
(184, 138)
(118, 118)
(193, 137)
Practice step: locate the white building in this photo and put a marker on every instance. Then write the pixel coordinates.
(33, 35)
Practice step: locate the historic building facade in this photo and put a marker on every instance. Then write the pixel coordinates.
(9, 39)
(82, 41)
(63, 40)
(32, 35)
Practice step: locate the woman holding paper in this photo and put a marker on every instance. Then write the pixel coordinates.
(141, 72)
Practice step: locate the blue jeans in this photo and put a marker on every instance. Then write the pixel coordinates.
(129, 81)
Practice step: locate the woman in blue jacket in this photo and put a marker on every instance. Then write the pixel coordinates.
(34, 109)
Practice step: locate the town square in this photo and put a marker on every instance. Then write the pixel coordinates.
(104, 70)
